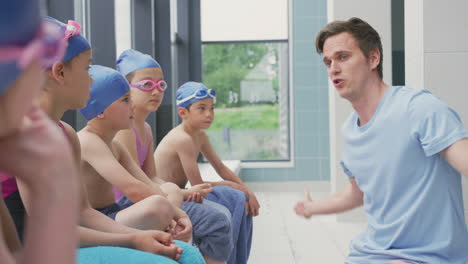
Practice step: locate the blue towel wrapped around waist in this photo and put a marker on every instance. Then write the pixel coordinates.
(241, 223)
(211, 226)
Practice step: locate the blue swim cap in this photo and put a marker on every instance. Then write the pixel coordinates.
(132, 60)
(76, 44)
(20, 21)
(108, 86)
(191, 92)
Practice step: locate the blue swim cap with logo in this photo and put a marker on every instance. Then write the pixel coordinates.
(108, 86)
(191, 92)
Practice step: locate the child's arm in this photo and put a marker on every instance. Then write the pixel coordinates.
(127, 138)
(187, 153)
(218, 165)
(101, 158)
(230, 178)
(89, 217)
(152, 241)
(96, 229)
(175, 195)
(134, 169)
(195, 193)
(40, 158)
(5, 254)
(184, 226)
(149, 166)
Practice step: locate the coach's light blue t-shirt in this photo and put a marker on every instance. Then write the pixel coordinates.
(412, 196)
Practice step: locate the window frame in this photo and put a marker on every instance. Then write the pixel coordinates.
(287, 163)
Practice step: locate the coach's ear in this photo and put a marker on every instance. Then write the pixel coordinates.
(374, 58)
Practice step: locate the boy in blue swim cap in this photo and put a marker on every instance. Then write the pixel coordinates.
(176, 161)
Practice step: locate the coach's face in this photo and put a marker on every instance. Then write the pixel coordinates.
(348, 68)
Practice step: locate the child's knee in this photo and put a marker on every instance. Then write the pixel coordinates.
(218, 237)
(222, 219)
(159, 208)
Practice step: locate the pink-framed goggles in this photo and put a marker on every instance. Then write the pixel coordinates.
(150, 85)
(49, 46)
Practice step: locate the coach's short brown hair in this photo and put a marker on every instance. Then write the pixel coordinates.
(366, 36)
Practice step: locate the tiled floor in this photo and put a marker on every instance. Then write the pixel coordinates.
(281, 237)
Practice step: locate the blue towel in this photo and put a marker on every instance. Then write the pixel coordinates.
(241, 223)
(120, 255)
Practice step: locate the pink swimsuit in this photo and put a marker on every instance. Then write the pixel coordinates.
(142, 152)
(9, 185)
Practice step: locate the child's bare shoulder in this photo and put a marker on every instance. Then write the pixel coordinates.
(70, 132)
(179, 137)
(126, 135)
(91, 143)
(72, 138)
(87, 138)
(148, 127)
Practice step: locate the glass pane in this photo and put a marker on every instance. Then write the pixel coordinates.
(123, 35)
(251, 114)
(244, 20)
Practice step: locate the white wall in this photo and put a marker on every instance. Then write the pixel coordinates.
(378, 15)
(436, 50)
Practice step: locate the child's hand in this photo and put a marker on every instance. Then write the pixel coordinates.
(171, 228)
(197, 192)
(252, 205)
(157, 242)
(204, 189)
(303, 208)
(38, 153)
(193, 197)
(183, 229)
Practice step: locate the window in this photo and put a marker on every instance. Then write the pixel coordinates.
(245, 54)
(123, 35)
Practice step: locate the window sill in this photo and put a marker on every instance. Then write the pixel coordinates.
(209, 174)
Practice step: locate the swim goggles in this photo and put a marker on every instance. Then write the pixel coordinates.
(150, 85)
(199, 94)
(49, 45)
